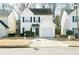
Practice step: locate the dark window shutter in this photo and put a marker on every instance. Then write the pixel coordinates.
(38, 19)
(72, 18)
(30, 19)
(34, 19)
(23, 19)
(23, 30)
(31, 29)
(73, 29)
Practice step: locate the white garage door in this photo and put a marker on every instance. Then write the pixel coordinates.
(47, 32)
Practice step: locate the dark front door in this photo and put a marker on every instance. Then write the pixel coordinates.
(37, 31)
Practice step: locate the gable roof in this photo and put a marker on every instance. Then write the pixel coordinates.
(41, 11)
(4, 13)
(69, 11)
(3, 24)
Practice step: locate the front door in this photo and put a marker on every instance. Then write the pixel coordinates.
(37, 31)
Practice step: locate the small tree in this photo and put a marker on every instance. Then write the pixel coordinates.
(57, 31)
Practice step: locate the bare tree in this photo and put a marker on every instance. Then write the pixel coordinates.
(43, 5)
(54, 8)
(20, 7)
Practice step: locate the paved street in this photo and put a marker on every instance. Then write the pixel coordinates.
(40, 51)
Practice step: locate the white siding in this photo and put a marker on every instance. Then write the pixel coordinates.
(12, 23)
(3, 31)
(28, 25)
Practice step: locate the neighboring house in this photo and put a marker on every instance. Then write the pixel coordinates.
(39, 21)
(12, 23)
(3, 29)
(69, 21)
(4, 23)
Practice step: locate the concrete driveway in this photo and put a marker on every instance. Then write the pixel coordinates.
(46, 42)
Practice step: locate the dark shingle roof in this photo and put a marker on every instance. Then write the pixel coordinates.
(3, 24)
(41, 11)
(4, 13)
(70, 10)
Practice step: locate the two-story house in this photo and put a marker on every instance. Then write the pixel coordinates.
(69, 21)
(39, 21)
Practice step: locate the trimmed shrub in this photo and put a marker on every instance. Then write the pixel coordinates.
(29, 33)
(69, 32)
(22, 35)
(11, 34)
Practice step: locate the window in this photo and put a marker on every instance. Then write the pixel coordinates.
(36, 19)
(27, 19)
(74, 18)
(75, 30)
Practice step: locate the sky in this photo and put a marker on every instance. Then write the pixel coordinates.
(36, 5)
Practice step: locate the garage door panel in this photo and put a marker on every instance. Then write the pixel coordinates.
(47, 32)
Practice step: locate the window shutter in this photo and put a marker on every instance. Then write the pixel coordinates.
(23, 19)
(31, 29)
(23, 30)
(30, 19)
(73, 29)
(38, 19)
(72, 18)
(34, 19)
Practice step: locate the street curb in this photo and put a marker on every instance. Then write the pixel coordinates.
(73, 46)
(14, 46)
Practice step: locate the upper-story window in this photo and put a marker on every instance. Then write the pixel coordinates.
(36, 19)
(27, 19)
(74, 18)
(31, 19)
